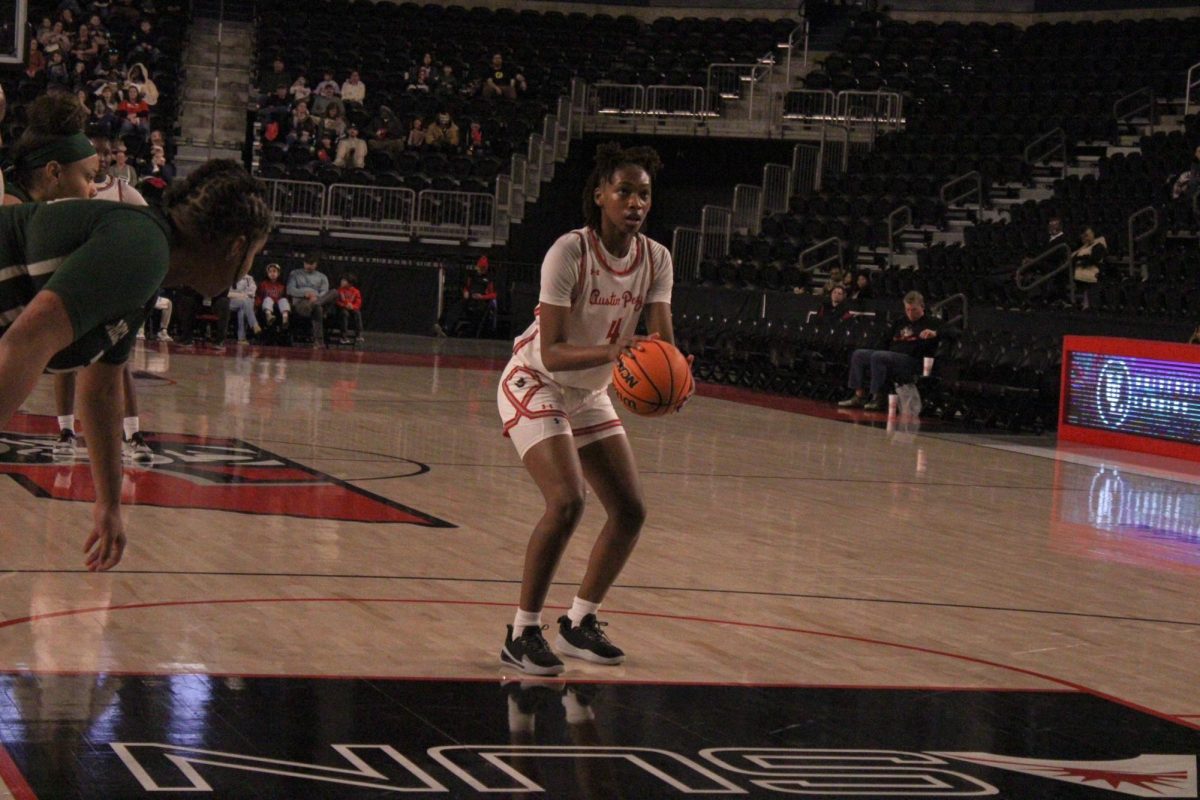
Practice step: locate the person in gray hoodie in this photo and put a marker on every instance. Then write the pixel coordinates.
(309, 292)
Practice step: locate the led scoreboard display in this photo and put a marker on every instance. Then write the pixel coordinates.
(1131, 394)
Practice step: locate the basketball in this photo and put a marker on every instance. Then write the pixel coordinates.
(653, 379)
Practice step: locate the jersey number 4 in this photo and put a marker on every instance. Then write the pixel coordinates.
(614, 330)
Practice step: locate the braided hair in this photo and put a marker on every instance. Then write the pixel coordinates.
(219, 201)
(610, 157)
(50, 117)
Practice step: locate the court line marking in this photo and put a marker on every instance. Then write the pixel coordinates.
(628, 586)
(813, 478)
(10, 776)
(647, 614)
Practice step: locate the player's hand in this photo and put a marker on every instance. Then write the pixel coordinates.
(106, 543)
(628, 345)
(928, 333)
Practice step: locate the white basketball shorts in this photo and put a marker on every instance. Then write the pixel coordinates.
(533, 408)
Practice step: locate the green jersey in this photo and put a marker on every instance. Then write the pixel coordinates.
(105, 261)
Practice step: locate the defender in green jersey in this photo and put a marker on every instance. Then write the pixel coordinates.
(76, 280)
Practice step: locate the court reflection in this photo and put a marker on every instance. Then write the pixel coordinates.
(1128, 518)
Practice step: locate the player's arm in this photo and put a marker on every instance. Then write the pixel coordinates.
(101, 406)
(558, 355)
(42, 329)
(658, 321)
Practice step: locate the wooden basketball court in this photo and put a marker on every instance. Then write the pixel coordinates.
(348, 517)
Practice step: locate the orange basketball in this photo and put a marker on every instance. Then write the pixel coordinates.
(653, 379)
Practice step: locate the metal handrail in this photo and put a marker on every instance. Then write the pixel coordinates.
(1062, 250)
(801, 29)
(975, 178)
(1192, 83)
(801, 260)
(1058, 137)
(1145, 103)
(747, 209)
(806, 168)
(964, 317)
(756, 70)
(895, 230)
(777, 188)
(879, 107)
(1142, 213)
(825, 112)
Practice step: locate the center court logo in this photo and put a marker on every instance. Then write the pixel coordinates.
(1113, 393)
(224, 474)
(484, 770)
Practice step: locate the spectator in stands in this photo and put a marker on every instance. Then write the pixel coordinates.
(57, 36)
(134, 113)
(1195, 337)
(277, 108)
(442, 134)
(476, 144)
(1054, 228)
(272, 297)
(302, 122)
(389, 132)
(354, 90)
(189, 305)
(278, 76)
(159, 166)
(325, 151)
(241, 303)
(327, 81)
(416, 134)
(1187, 185)
(139, 76)
(351, 151)
(300, 91)
(86, 49)
(862, 287)
(121, 168)
(501, 81)
(447, 83)
(835, 306)
(144, 50)
(911, 338)
(420, 79)
(104, 112)
(44, 30)
(333, 123)
(324, 99)
(111, 69)
(57, 73)
(836, 275)
(478, 299)
(309, 293)
(349, 303)
(37, 59)
(1088, 262)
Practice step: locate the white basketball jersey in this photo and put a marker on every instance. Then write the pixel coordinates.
(606, 296)
(119, 190)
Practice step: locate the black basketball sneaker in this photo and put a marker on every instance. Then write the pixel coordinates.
(530, 652)
(587, 641)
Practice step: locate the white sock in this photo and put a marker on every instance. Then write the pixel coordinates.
(580, 608)
(524, 619)
(66, 422)
(132, 426)
(518, 720)
(577, 712)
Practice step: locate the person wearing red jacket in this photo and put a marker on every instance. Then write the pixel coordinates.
(349, 303)
(478, 302)
(272, 296)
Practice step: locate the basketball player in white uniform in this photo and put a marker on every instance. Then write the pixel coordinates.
(595, 284)
(117, 190)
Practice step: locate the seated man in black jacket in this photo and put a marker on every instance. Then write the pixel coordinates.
(912, 338)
